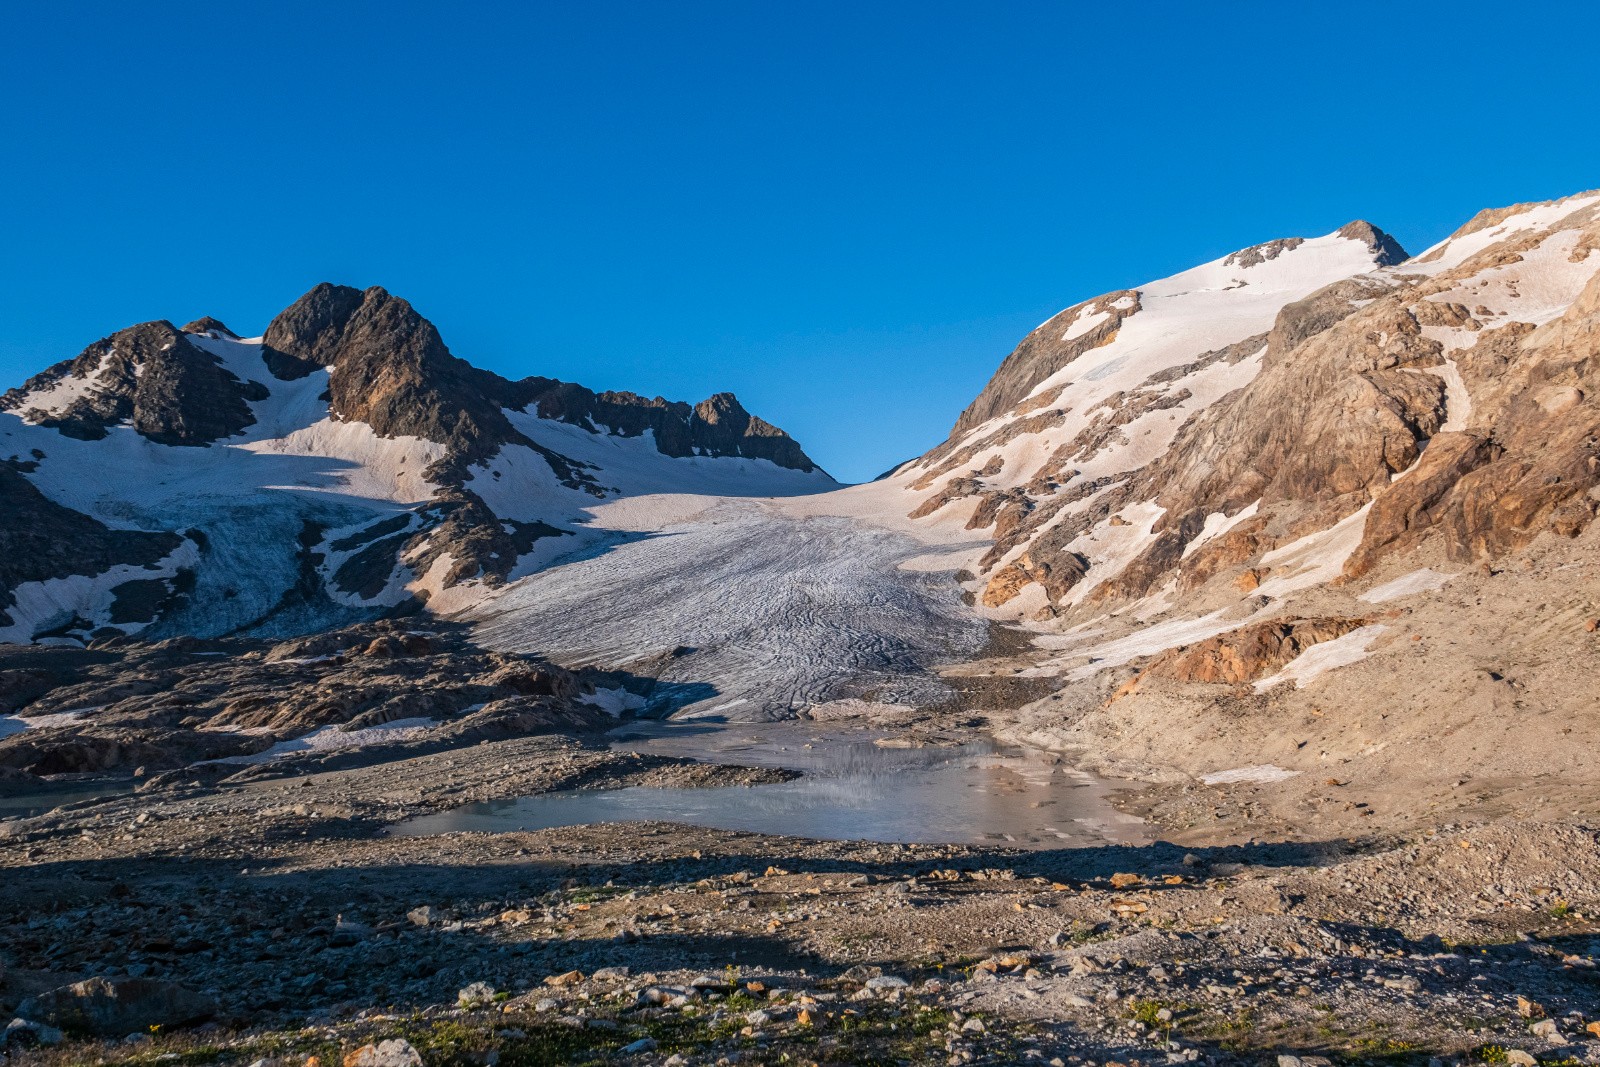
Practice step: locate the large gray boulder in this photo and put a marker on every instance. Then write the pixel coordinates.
(114, 1007)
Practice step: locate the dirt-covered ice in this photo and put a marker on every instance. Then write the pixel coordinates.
(770, 611)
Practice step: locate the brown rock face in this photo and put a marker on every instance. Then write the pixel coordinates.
(1548, 425)
(1057, 574)
(209, 326)
(1045, 351)
(393, 372)
(1401, 517)
(1248, 653)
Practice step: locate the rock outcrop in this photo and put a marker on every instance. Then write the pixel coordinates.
(41, 540)
(1248, 653)
(117, 1007)
(150, 377)
(170, 705)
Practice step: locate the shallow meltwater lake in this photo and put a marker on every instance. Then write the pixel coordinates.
(852, 788)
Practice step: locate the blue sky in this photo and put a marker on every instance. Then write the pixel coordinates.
(846, 213)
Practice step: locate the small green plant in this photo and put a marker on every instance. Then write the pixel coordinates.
(1491, 1054)
(1148, 1012)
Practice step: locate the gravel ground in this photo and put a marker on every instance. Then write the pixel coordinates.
(285, 904)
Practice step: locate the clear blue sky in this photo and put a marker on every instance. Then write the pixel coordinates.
(846, 213)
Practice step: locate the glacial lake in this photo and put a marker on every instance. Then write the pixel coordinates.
(851, 788)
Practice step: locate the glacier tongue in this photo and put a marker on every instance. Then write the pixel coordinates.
(768, 611)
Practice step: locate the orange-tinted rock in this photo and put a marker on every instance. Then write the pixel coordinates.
(1407, 511)
(1248, 653)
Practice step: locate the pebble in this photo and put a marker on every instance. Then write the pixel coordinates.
(1547, 1029)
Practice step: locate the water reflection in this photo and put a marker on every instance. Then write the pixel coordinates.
(39, 799)
(852, 789)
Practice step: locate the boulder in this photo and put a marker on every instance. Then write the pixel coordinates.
(396, 1052)
(117, 1006)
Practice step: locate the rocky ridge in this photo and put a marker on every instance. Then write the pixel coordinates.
(444, 478)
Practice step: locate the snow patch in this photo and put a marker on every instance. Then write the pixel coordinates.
(54, 399)
(1083, 324)
(1260, 772)
(374, 467)
(1319, 659)
(1314, 559)
(56, 602)
(1144, 642)
(613, 702)
(333, 739)
(15, 724)
(1424, 581)
(1218, 524)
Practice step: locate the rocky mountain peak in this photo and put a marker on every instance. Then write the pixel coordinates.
(149, 376)
(720, 407)
(1386, 251)
(392, 370)
(721, 426)
(1296, 400)
(206, 326)
(312, 328)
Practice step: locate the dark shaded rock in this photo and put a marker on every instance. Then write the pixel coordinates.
(153, 378)
(19, 688)
(529, 679)
(40, 539)
(115, 1007)
(1387, 249)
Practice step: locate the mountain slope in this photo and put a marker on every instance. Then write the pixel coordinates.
(1144, 444)
(1331, 526)
(344, 464)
